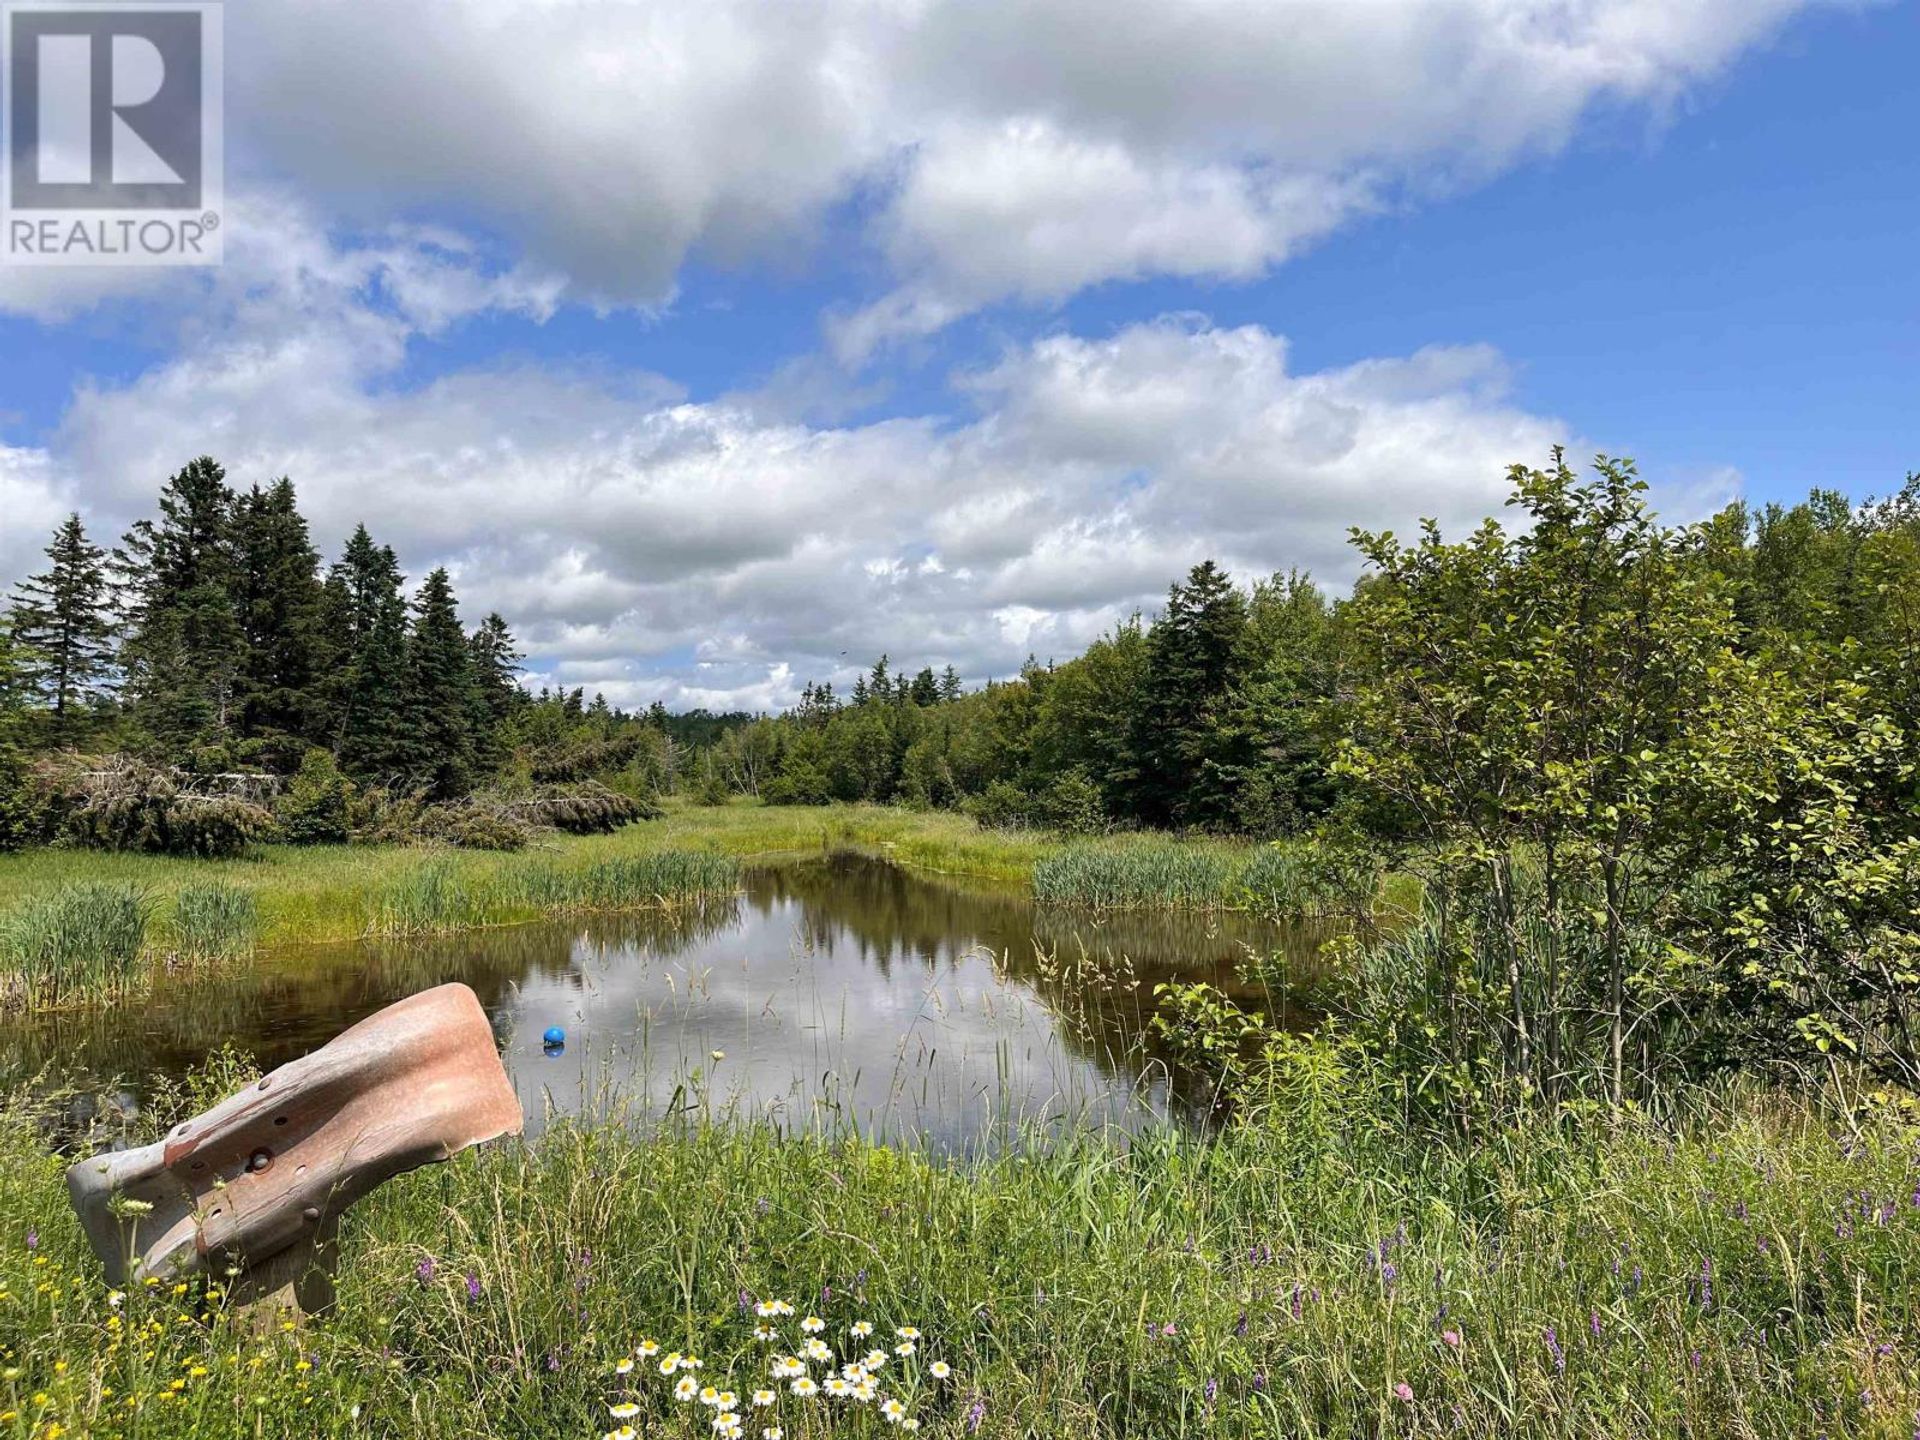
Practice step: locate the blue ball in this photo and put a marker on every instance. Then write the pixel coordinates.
(554, 1036)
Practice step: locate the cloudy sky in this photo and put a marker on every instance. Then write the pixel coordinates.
(724, 344)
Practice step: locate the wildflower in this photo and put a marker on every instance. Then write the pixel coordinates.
(625, 1410)
(647, 1349)
(625, 1432)
(623, 1366)
(764, 1333)
(686, 1388)
(976, 1413)
(907, 1332)
(803, 1387)
(875, 1359)
(904, 1348)
(1553, 1348)
(726, 1423)
(838, 1387)
(864, 1391)
(940, 1370)
(33, 1238)
(1169, 1330)
(709, 1396)
(817, 1349)
(1403, 1392)
(718, 1056)
(763, 1398)
(671, 1363)
(894, 1411)
(473, 1286)
(909, 1424)
(690, 1362)
(423, 1272)
(772, 1432)
(861, 1329)
(1451, 1338)
(813, 1324)
(728, 1400)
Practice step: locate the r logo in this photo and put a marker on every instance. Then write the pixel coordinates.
(105, 109)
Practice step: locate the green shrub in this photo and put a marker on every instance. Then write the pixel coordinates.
(317, 808)
(1001, 806)
(1071, 805)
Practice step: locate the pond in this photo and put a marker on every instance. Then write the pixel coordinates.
(838, 991)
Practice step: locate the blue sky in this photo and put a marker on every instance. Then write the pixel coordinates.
(974, 364)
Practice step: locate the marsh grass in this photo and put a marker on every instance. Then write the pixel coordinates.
(1745, 1270)
(1167, 873)
(441, 895)
(213, 920)
(76, 942)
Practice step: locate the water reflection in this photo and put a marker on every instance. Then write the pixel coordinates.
(837, 991)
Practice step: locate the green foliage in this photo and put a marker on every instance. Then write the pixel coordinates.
(63, 632)
(317, 806)
(1165, 874)
(79, 941)
(213, 920)
(116, 802)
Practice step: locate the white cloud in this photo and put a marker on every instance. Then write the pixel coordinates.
(717, 554)
(993, 148)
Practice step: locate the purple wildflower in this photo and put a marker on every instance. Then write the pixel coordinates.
(1260, 1383)
(423, 1272)
(1169, 1330)
(1559, 1355)
(1403, 1392)
(33, 1238)
(975, 1414)
(1240, 1325)
(1593, 1323)
(1212, 1389)
(473, 1286)
(1389, 1273)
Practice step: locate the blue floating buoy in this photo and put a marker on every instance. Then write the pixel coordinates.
(554, 1036)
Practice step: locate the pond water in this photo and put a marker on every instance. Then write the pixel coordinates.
(839, 991)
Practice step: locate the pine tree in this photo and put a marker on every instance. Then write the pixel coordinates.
(949, 684)
(367, 605)
(1191, 656)
(184, 642)
(925, 689)
(279, 604)
(441, 703)
(64, 630)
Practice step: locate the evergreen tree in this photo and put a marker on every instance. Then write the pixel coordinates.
(496, 662)
(184, 640)
(441, 704)
(925, 690)
(279, 601)
(366, 602)
(64, 630)
(1190, 669)
(949, 684)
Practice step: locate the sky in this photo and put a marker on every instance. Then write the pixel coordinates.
(723, 345)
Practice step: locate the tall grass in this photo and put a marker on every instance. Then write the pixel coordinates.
(79, 941)
(443, 895)
(1166, 874)
(213, 920)
(1746, 1271)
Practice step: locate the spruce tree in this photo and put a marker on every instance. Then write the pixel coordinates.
(441, 703)
(925, 689)
(949, 684)
(278, 601)
(64, 631)
(184, 642)
(370, 613)
(1191, 657)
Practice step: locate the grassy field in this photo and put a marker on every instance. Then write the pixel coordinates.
(1314, 1271)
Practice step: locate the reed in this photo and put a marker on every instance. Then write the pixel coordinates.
(213, 920)
(75, 942)
(1166, 874)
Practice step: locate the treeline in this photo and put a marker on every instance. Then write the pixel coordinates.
(208, 682)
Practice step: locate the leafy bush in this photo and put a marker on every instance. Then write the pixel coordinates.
(317, 808)
(1071, 806)
(1001, 806)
